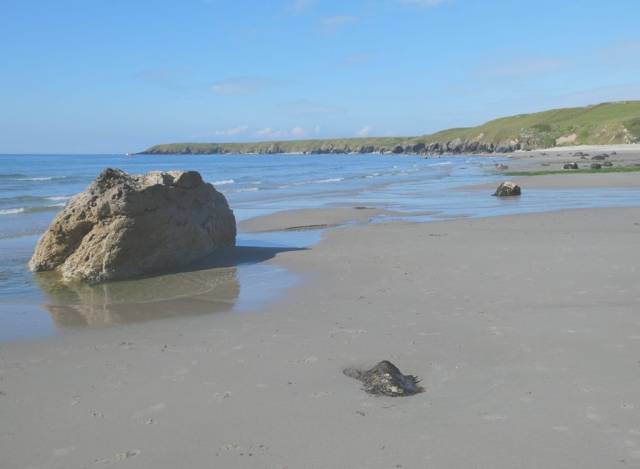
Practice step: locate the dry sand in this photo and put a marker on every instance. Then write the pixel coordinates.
(524, 329)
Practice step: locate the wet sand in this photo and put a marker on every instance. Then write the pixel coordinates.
(555, 158)
(568, 181)
(312, 219)
(524, 329)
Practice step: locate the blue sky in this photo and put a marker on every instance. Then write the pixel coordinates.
(101, 76)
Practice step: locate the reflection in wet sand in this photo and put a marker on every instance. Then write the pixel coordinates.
(186, 293)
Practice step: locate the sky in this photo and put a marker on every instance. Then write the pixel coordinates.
(115, 76)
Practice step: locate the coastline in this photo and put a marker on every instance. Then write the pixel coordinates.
(604, 123)
(522, 328)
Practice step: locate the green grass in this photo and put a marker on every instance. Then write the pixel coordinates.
(621, 169)
(606, 123)
(593, 125)
(286, 146)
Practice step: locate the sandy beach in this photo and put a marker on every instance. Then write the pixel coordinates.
(523, 328)
(303, 234)
(554, 158)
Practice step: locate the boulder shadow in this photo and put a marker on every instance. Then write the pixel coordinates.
(240, 255)
(211, 285)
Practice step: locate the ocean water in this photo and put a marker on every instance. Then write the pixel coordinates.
(33, 188)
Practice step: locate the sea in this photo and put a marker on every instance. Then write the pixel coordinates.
(33, 188)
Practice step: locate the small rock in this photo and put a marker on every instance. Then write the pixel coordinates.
(502, 167)
(385, 379)
(600, 157)
(570, 166)
(607, 163)
(507, 189)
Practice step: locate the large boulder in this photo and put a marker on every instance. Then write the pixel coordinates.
(507, 189)
(125, 226)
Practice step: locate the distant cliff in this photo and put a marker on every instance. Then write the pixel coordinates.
(606, 123)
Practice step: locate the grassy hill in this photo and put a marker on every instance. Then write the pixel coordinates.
(592, 125)
(606, 123)
(336, 145)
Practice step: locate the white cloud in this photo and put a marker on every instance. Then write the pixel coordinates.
(297, 132)
(233, 132)
(363, 132)
(270, 133)
(239, 86)
(267, 131)
(331, 24)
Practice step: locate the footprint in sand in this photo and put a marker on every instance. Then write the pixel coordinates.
(249, 450)
(119, 457)
(220, 396)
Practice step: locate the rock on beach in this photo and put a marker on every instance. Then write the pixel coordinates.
(124, 226)
(508, 189)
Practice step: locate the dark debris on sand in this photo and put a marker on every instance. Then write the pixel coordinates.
(385, 379)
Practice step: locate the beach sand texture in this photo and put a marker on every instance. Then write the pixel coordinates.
(524, 330)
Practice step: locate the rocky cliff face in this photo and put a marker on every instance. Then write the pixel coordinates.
(127, 226)
(451, 147)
